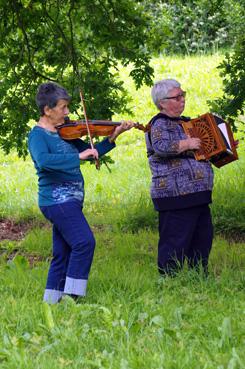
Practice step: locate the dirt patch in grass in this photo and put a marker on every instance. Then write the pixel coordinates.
(13, 231)
(32, 259)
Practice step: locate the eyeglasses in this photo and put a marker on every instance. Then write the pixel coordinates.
(177, 97)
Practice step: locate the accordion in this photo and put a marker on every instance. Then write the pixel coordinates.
(217, 142)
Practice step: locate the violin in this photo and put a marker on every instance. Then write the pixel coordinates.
(73, 129)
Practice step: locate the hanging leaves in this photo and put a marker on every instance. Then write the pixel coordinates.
(75, 43)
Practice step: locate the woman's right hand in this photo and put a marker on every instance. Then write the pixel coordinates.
(88, 154)
(190, 143)
(193, 143)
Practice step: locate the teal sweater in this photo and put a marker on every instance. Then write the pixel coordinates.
(58, 165)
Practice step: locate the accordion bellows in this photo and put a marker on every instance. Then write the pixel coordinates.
(217, 142)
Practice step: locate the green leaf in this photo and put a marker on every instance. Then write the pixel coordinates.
(48, 316)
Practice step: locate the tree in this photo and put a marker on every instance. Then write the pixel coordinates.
(231, 104)
(197, 26)
(188, 27)
(232, 69)
(77, 43)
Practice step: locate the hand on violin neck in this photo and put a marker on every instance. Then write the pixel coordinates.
(124, 126)
(88, 154)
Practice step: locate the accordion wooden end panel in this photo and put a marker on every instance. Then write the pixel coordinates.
(217, 142)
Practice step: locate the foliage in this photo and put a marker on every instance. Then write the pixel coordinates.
(194, 25)
(80, 44)
(232, 103)
(75, 43)
(201, 26)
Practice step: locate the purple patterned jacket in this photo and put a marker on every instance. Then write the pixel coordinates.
(178, 180)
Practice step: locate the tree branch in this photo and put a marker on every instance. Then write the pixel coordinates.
(26, 42)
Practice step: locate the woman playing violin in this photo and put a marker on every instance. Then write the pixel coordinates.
(61, 192)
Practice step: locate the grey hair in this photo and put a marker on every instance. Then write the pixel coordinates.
(161, 89)
(49, 94)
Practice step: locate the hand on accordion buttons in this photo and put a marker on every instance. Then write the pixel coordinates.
(193, 143)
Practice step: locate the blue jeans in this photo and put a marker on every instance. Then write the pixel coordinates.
(73, 250)
(184, 234)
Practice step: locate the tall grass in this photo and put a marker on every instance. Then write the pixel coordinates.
(131, 318)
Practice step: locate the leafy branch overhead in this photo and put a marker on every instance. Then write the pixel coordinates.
(231, 105)
(200, 26)
(80, 44)
(75, 43)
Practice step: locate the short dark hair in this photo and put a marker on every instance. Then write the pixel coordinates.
(48, 94)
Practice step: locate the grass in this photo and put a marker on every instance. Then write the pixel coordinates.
(131, 317)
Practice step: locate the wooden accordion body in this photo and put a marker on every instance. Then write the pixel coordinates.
(217, 142)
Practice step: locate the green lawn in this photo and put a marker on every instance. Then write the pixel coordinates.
(131, 317)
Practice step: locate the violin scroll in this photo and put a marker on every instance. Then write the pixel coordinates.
(141, 127)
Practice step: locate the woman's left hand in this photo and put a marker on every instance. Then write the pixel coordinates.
(124, 126)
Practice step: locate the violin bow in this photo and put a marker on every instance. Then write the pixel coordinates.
(97, 163)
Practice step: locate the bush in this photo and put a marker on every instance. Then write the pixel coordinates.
(193, 26)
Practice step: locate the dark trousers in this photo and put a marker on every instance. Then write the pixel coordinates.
(184, 234)
(73, 249)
